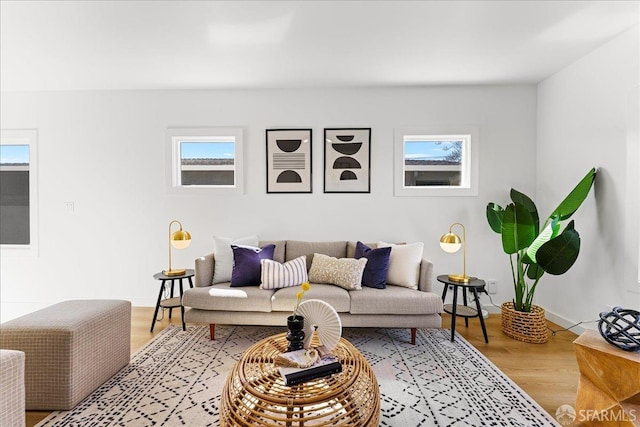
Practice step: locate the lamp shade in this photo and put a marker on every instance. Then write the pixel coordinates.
(181, 239)
(450, 243)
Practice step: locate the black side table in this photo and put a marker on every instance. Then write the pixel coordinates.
(465, 311)
(171, 302)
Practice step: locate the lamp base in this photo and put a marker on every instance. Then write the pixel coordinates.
(459, 278)
(171, 273)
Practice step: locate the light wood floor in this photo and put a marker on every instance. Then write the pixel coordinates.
(547, 372)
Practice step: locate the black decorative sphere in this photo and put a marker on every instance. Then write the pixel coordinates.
(621, 327)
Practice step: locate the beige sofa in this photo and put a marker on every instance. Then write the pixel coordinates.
(392, 307)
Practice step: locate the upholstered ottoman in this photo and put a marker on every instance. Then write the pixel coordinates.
(12, 388)
(71, 348)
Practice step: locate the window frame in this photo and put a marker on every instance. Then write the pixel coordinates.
(174, 137)
(26, 137)
(470, 165)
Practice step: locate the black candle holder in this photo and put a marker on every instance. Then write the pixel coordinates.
(295, 332)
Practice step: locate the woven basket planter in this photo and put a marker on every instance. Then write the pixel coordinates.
(529, 327)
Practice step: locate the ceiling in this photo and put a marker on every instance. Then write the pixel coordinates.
(107, 45)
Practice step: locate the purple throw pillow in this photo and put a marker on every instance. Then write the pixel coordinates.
(375, 272)
(246, 264)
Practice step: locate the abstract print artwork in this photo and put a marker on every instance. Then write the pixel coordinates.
(288, 160)
(347, 156)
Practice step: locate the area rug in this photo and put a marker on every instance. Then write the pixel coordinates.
(177, 379)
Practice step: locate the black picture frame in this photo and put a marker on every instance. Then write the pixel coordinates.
(347, 160)
(289, 160)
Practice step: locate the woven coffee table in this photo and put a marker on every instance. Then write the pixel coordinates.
(255, 395)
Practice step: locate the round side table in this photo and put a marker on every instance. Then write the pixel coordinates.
(171, 302)
(463, 310)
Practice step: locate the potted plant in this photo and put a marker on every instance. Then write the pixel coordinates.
(534, 250)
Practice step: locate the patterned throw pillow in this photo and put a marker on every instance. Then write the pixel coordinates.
(275, 275)
(246, 264)
(343, 272)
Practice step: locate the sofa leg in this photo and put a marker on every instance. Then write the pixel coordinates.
(413, 336)
(212, 331)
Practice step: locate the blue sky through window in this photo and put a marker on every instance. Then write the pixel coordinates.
(426, 150)
(207, 150)
(14, 154)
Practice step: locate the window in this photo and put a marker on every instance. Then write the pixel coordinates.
(436, 162)
(206, 158)
(18, 191)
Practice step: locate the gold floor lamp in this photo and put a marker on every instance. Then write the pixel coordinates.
(452, 243)
(179, 240)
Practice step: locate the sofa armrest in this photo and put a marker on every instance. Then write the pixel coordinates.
(204, 270)
(425, 283)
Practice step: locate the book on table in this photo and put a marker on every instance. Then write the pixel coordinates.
(327, 364)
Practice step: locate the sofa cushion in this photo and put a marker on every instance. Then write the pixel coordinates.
(296, 248)
(278, 253)
(351, 247)
(275, 275)
(343, 272)
(394, 300)
(404, 264)
(223, 297)
(246, 264)
(223, 255)
(375, 272)
(338, 298)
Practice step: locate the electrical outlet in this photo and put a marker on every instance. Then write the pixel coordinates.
(492, 286)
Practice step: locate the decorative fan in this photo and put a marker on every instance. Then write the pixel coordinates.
(321, 318)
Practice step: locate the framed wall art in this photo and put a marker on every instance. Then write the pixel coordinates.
(289, 161)
(347, 159)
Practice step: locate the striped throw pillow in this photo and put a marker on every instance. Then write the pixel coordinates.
(275, 275)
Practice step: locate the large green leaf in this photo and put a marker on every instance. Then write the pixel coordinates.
(572, 202)
(524, 200)
(518, 228)
(548, 233)
(558, 254)
(534, 272)
(494, 217)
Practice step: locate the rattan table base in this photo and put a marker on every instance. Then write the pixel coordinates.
(255, 395)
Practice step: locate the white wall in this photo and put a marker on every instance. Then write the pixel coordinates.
(587, 116)
(105, 151)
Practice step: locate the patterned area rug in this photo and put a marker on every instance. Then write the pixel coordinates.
(177, 379)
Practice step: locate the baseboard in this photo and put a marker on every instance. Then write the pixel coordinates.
(563, 322)
(491, 308)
